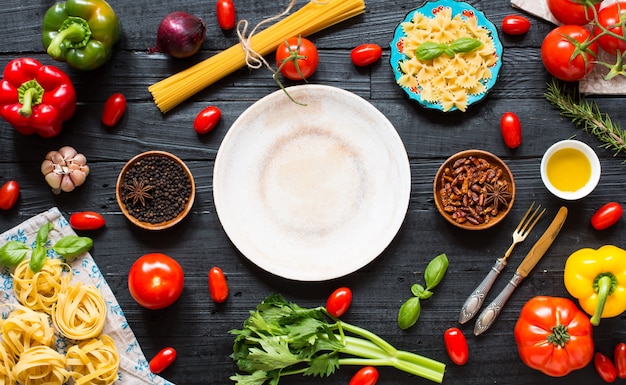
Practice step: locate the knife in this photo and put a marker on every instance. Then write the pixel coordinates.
(491, 312)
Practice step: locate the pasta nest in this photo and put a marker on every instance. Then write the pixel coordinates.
(94, 361)
(80, 312)
(40, 290)
(25, 328)
(41, 365)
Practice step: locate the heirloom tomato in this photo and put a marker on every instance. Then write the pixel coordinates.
(604, 367)
(606, 216)
(114, 108)
(620, 359)
(613, 18)
(86, 220)
(572, 11)
(207, 119)
(218, 287)
(554, 336)
(155, 281)
(339, 301)
(515, 25)
(9, 192)
(297, 58)
(568, 52)
(162, 360)
(366, 54)
(226, 15)
(367, 375)
(456, 345)
(511, 130)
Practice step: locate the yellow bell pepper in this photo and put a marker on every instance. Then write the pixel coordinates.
(597, 278)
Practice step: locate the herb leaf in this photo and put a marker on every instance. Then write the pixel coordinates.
(465, 45)
(430, 50)
(37, 259)
(72, 245)
(409, 313)
(13, 252)
(435, 271)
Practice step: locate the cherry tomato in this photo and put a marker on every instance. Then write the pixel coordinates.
(367, 375)
(226, 14)
(162, 360)
(218, 287)
(557, 50)
(571, 11)
(620, 359)
(86, 220)
(456, 345)
(339, 301)
(604, 367)
(114, 108)
(207, 119)
(515, 25)
(606, 216)
(612, 18)
(297, 58)
(155, 281)
(511, 130)
(9, 192)
(366, 54)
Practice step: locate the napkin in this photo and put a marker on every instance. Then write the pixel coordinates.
(133, 368)
(593, 83)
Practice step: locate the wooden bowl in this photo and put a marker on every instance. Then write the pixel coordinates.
(468, 186)
(175, 191)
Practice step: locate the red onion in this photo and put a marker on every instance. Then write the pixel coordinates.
(180, 35)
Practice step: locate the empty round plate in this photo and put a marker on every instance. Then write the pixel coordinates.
(311, 192)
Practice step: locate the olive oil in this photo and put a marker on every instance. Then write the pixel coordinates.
(569, 169)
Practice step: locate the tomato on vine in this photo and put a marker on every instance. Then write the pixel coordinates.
(612, 18)
(297, 58)
(572, 12)
(568, 53)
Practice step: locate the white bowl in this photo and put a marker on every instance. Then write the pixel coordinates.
(591, 156)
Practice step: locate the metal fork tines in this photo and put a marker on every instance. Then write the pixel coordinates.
(476, 299)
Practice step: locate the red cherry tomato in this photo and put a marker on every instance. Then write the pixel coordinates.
(515, 25)
(511, 130)
(339, 301)
(207, 119)
(604, 367)
(366, 54)
(114, 108)
(620, 359)
(297, 58)
(9, 192)
(606, 216)
(162, 360)
(367, 375)
(226, 14)
(218, 287)
(557, 49)
(611, 17)
(456, 345)
(571, 11)
(155, 281)
(86, 220)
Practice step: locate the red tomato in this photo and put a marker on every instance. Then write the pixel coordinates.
(456, 345)
(604, 367)
(339, 301)
(162, 360)
(9, 192)
(207, 119)
(515, 25)
(367, 375)
(86, 220)
(557, 50)
(620, 359)
(571, 11)
(511, 130)
(606, 216)
(226, 15)
(612, 18)
(366, 54)
(297, 58)
(155, 281)
(218, 287)
(114, 108)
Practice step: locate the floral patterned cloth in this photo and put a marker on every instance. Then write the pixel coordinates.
(133, 364)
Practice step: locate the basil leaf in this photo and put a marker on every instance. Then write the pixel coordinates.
(37, 259)
(72, 245)
(409, 313)
(435, 271)
(42, 235)
(465, 44)
(417, 290)
(429, 50)
(13, 252)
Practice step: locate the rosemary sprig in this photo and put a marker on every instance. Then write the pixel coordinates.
(587, 115)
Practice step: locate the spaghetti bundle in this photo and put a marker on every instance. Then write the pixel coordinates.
(94, 361)
(312, 17)
(80, 312)
(40, 291)
(25, 328)
(41, 365)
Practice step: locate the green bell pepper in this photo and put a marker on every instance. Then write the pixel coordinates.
(81, 32)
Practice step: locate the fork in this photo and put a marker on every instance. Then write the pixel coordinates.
(476, 299)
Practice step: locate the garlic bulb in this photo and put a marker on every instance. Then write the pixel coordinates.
(65, 169)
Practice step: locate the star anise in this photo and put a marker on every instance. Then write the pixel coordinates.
(497, 194)
(138, 192)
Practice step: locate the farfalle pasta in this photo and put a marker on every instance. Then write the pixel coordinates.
(447, 80)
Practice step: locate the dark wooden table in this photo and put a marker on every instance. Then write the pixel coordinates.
(198, 328)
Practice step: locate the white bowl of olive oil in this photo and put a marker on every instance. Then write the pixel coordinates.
(570, 169)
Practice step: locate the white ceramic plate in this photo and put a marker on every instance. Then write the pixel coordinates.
(313, 192)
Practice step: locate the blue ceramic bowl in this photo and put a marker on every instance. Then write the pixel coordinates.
(429, 9)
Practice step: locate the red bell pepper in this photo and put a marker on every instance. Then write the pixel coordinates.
(36, 98)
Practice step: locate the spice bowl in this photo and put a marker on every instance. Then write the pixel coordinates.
(155, 190)
(474, 190)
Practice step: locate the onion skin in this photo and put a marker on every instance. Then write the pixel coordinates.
(180, 34)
